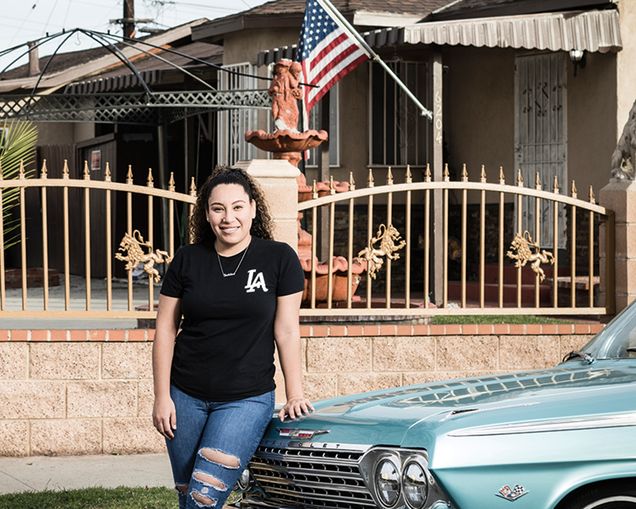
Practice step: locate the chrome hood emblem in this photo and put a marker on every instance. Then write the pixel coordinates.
(510, 493)
(303, 434)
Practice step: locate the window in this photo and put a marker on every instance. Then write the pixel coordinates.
(399, 135)
(334, 121)
(233, 123)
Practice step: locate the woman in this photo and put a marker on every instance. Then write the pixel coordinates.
(238, 291)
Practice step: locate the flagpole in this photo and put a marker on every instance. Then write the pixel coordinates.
(345, 25)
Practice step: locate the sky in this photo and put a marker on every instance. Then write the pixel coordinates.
(28, 20)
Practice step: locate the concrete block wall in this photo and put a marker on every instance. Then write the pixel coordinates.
(72, 392)
(341, 359)
(76, 392)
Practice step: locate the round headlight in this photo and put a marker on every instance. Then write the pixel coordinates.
(415, 485)
(245, 480)
(387, 482)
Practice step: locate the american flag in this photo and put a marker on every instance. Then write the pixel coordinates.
(327, 52)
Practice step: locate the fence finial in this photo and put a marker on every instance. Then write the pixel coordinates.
(370, 181)
(314, 190)
(129, 175)
(502, 177)
(389, 177)
(107, 174)
(21, 169)
(352, 182)
(150, 182)
(427, 173)
(87, 173)
(574, 191)
(193, 187)
(409, 175)
(519, 178)
(44, 170)
(537, 180)
(332, 185)
(592, 197)
(65, 170)
(171, 183)
(446, 173)
(464, 173)
(555, 185)
(482, 176)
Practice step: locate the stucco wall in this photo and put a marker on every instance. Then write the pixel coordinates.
(479, 110)
(626, 67)
(64, 133)
(90, 391)
(244, 46)
(591, 124)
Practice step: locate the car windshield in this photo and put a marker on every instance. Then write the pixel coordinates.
(618, 339)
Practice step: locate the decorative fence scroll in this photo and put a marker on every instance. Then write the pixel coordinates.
(491, 258)
(66, 259)
(90, 248)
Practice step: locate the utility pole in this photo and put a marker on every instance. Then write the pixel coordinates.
(128, 20)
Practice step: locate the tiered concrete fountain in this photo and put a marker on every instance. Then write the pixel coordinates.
(286, 142)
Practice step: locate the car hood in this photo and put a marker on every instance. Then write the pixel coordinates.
(413, 416)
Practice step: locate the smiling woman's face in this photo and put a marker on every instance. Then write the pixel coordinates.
(230, 213)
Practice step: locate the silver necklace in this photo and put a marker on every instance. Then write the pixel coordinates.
(230, 274)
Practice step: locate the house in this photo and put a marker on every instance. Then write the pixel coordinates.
(566, 61)
(518, 84)
(246, 38)
(144, 104)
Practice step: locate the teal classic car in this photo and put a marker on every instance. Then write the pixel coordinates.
(556, 438)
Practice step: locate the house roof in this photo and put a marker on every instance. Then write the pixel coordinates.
(466, 9)
(289, 13)
(65, 68)
(152, 70)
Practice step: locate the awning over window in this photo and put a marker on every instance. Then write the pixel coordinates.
(563, 31)
(592, 31)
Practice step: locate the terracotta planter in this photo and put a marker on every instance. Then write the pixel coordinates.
(339, 279)
(338, 288)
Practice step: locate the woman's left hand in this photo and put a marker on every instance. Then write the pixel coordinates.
(295, 408)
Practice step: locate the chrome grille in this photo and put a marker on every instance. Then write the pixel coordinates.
(311, 477)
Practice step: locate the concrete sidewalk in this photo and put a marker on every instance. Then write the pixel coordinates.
(38, 473)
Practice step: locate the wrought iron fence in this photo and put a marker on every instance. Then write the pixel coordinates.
(400, 249)
(68, 231)
(488, 261)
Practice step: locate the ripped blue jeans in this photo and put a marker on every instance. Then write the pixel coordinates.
(213, 444)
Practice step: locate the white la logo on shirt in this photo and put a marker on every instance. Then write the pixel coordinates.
(255, 282)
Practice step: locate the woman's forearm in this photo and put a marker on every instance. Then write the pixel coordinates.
(163, 347)
(162, 351)
(289, 353)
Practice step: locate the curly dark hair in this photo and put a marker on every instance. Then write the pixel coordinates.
(262, 225)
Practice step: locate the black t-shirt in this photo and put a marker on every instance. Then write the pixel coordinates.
(225, 349)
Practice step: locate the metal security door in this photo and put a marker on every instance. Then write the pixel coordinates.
(541, 137)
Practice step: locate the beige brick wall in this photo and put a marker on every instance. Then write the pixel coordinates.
(68, 398)
(337, 366)
(80, 392)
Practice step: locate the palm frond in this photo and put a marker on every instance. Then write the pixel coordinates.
(18, 140)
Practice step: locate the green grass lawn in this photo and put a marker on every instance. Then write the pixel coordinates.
(510, 319)
(96, 498)
(93, 498)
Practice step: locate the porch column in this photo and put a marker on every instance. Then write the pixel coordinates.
(620, 197)
(277, 178)
(438, 165)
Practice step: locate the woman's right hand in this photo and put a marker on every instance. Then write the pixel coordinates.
(164, 417)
